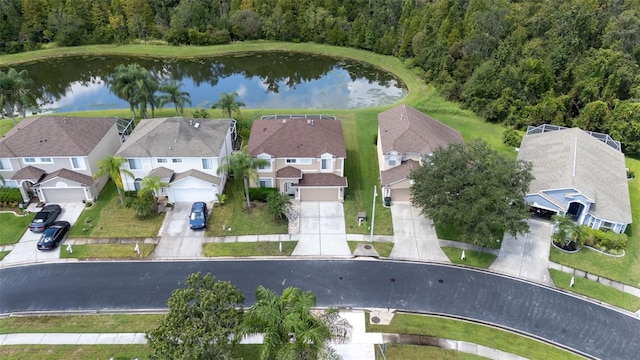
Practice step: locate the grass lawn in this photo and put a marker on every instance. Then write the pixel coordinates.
(232, 215)
(108, 219)
(596, 291)
(466, 331)
(13, 227)
(56, 352)
(3, 254)
(451, 232)
(263, 248)
(416, 352)
(106, 251)
(472, 258)
(383, 248)
(625, 269)
(79, 323)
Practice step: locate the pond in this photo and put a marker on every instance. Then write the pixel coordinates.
(274, 80)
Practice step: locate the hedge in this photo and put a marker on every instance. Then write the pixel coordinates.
(10, 195)
(261, 194)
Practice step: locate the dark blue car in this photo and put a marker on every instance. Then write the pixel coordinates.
(198, 216)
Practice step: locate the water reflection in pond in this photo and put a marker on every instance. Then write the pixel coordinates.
(264, 80)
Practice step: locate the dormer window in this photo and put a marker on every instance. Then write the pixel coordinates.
(393, 159)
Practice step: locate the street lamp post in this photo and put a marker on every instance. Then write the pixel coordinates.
(373, 211)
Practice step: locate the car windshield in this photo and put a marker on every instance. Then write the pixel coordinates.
(197, 215)
(38, 220)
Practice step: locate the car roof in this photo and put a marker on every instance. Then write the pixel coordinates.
(198, 206)
(51, 206)
(61, 223)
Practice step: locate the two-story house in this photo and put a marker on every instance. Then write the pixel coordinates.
(406, 139)
(579, 174)
(183, 152)
(306, 155)
(54, 158)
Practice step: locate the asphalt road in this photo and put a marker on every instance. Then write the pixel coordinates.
(594, 330)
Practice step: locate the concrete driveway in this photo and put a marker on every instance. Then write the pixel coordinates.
(415, 235)
(322, 229)
(527, 256)
(25, 250)
(177, 239)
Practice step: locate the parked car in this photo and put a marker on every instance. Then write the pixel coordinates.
(198, 216)
(53, 235)
(45, 217)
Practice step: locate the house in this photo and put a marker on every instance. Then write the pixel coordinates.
(578, 173)
(54, 158)
(306, 155)
(183, 152)
(406, 138)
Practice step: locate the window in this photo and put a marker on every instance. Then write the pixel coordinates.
(176, 161)
(392, 160)
(42, 160)
(266, 183)
(305, 161)
(207, 163)
(325, 164)
(29, 160)
(291, 161)
(266, 167)
(77, 163)
(5, 164)
(161, 161)
(135, 164)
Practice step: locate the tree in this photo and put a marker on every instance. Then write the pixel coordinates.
(153, 185)
(110, 165)
(228, 104)
(278, 204)
(202, 317)
(172, 94)
(566, 231)
(15, 94)
(474, 188)
(291, 329)
(242, 164)
(136, 85)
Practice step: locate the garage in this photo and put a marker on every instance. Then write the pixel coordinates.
(194, 194)
(400, 194)
(63, 195)
(319, 194)
(194, 185)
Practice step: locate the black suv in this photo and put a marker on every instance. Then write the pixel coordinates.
(45, 217)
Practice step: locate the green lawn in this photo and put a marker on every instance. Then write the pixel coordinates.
(233, 215)
(416, 352)
(625, 269)
(3, 254)
(471, 258)
(596, 291)
(383, 248)
(263, 248)
(107, 251)
(57, 352)
(108, 219)
(79, 323)
(475, 333)
(13, 227)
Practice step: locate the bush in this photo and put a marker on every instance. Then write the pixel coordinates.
(602, 239)
(261, 194)
(511, 138)
(10, 196)
(278, 204)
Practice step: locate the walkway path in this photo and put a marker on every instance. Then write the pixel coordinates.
(415, 235)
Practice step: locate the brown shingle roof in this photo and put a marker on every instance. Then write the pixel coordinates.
(29, 173)
(297, 138)
(407, 130)
(289, 172)
(69, 175)
(398, 173)
(328, 179)
(54, 136)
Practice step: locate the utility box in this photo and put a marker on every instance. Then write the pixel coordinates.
(362, 216)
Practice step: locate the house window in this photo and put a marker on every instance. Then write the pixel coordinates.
(266, 183)
(77, 163)
(46, 160)
(42, 160)
(135, 164)
(304, 161)
(176, 161)
(29, 160)
(5, 164)
(266, 167)
(291, 161)
(207, 163)
(392, 160)
(606, 225)
(325, 164)
(137, 184)
(161, 161)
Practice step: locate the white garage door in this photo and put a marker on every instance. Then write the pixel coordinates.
(62, 195)
(193, 195)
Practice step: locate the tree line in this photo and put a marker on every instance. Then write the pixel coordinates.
(528, 62)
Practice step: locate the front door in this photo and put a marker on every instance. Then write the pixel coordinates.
(289, 189)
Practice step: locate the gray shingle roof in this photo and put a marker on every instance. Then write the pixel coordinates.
(170, 137)
(54, 136)
(198, 175)
(161, 172)
(407, 130)
(571, 158)
(297, 138)
(29, 173)
(69, 175)
(398, 173)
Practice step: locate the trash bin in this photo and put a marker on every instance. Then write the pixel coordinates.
(387, 201)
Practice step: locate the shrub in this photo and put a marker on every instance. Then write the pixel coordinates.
(10, 196)
(278, 204)
(261, 194)
(603, 240)
(511, 138)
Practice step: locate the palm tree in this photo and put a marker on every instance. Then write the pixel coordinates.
(228, 104)
(291, 329)
(566, 230)
(15, 93)
(136, 85)
(110, 165)
(241, 163)
(172, 94)
(154, 185)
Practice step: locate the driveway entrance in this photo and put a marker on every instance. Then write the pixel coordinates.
(178, 240)
(322, 229)
(415, 236)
